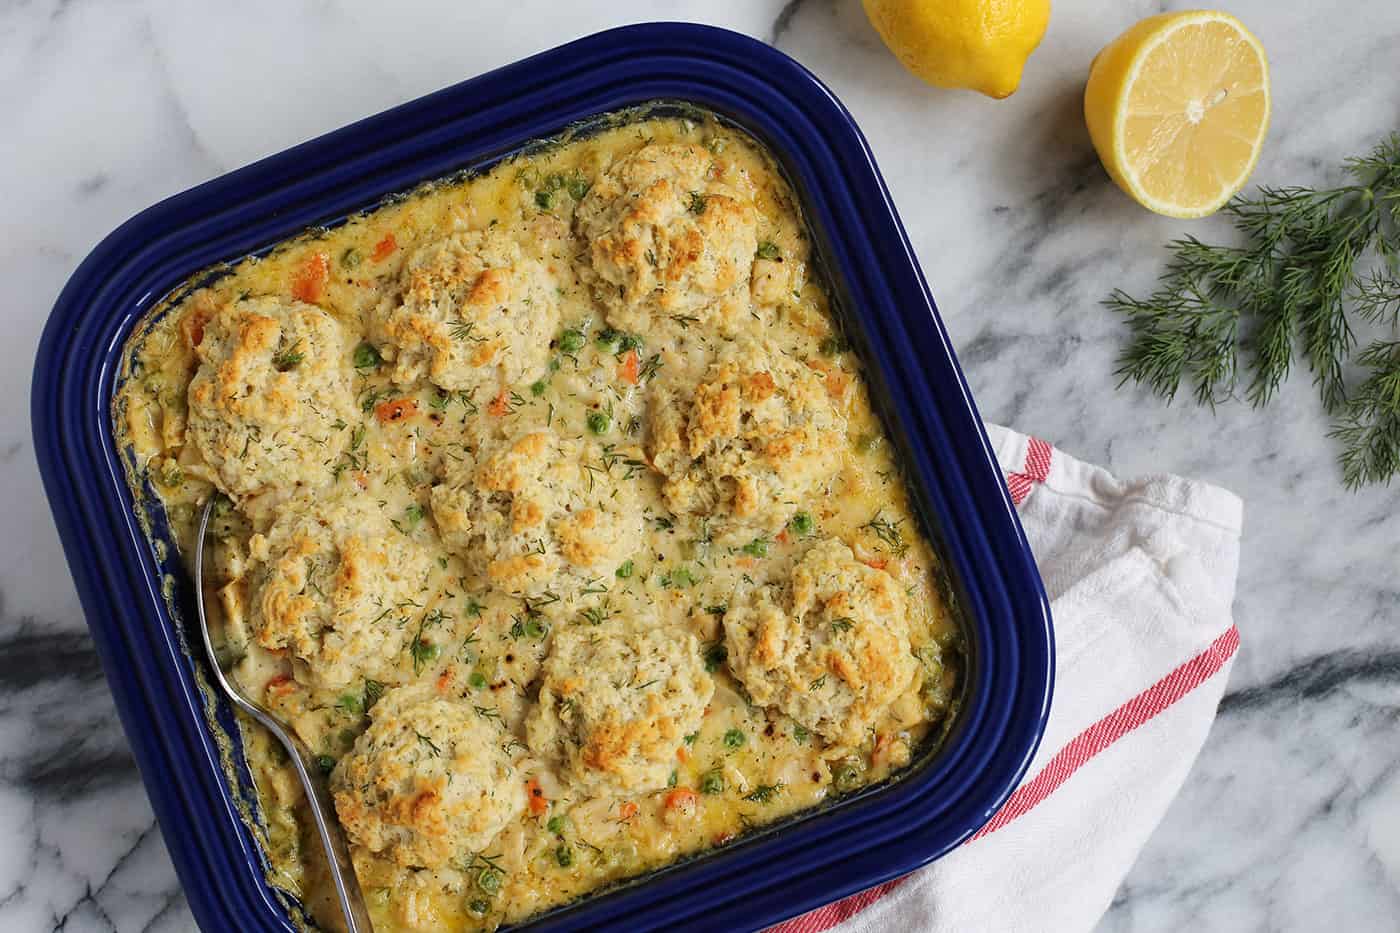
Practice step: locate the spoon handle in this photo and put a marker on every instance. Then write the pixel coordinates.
(342, 869)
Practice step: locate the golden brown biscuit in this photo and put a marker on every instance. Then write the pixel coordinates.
(270, 405)
(835, 654)
(617, 701)
(428, 781)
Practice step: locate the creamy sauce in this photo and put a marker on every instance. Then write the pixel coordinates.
(745, 765)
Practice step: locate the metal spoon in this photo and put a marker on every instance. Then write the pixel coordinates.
(347, 886)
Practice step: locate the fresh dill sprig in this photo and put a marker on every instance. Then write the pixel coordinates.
(764, 793)
(1312, 262)
(288, 359)
(889, 533)
(1369, 424)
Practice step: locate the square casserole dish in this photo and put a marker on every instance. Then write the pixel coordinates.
(138, 598)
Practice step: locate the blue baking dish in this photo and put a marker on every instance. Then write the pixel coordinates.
(135, 594)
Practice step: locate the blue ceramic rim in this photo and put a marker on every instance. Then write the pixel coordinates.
(762, 880)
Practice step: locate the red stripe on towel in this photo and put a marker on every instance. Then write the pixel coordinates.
(1141, 709)
(1132, 714)
(1035, 470)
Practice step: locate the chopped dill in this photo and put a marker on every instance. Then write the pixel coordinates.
(764, 793)
(889, 533)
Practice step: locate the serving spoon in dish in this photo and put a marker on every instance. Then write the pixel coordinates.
(347, 886)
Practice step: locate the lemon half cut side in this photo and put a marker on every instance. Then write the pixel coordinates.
(1178, 108)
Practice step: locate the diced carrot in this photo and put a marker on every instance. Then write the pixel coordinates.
(836, 378)
(680, 797)
(722, 838)
(444, 681)
(395, 410)
(879, 563)
(280, 685)
(361, 479)
(500, 405)
(384, 248)
(628, 371)
(626, 810)
(538, 803)
(682, 754)
(310, 280)
(783, 536)
(193, 326)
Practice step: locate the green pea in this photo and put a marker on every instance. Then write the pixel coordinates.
(712, 783)
(477, 680)
(478, 906)
(609, 340)
(367, 357)
(537, 387)
(847, 775)
(326, 763)
(734, 738)
(578, 186)
(564, 856)
(599, 422)
(571, 341)
(535, 627)
(555, 825)
(715, 656)
(625, 570)
(544, 200)
(802, 524)
(756, 548)
(489, 880)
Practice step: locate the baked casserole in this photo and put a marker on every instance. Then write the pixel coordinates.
(555, 516)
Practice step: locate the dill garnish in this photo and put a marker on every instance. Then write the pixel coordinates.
(1314, 261)
(421, 650)
(649, 368)
(464, 330)
(764, 792)
(888, 532)
(1369, 423)
(288, 359)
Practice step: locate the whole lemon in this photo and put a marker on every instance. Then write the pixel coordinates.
(977, 44)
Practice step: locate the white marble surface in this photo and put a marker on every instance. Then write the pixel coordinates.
(1291, 820)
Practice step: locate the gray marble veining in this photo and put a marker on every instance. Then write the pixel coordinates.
(1291, 819)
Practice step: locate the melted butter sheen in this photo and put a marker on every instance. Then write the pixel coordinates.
(747, 764)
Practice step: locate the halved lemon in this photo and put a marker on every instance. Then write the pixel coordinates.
(1178, 107)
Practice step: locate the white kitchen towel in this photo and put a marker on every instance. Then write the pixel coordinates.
(1141, 575)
